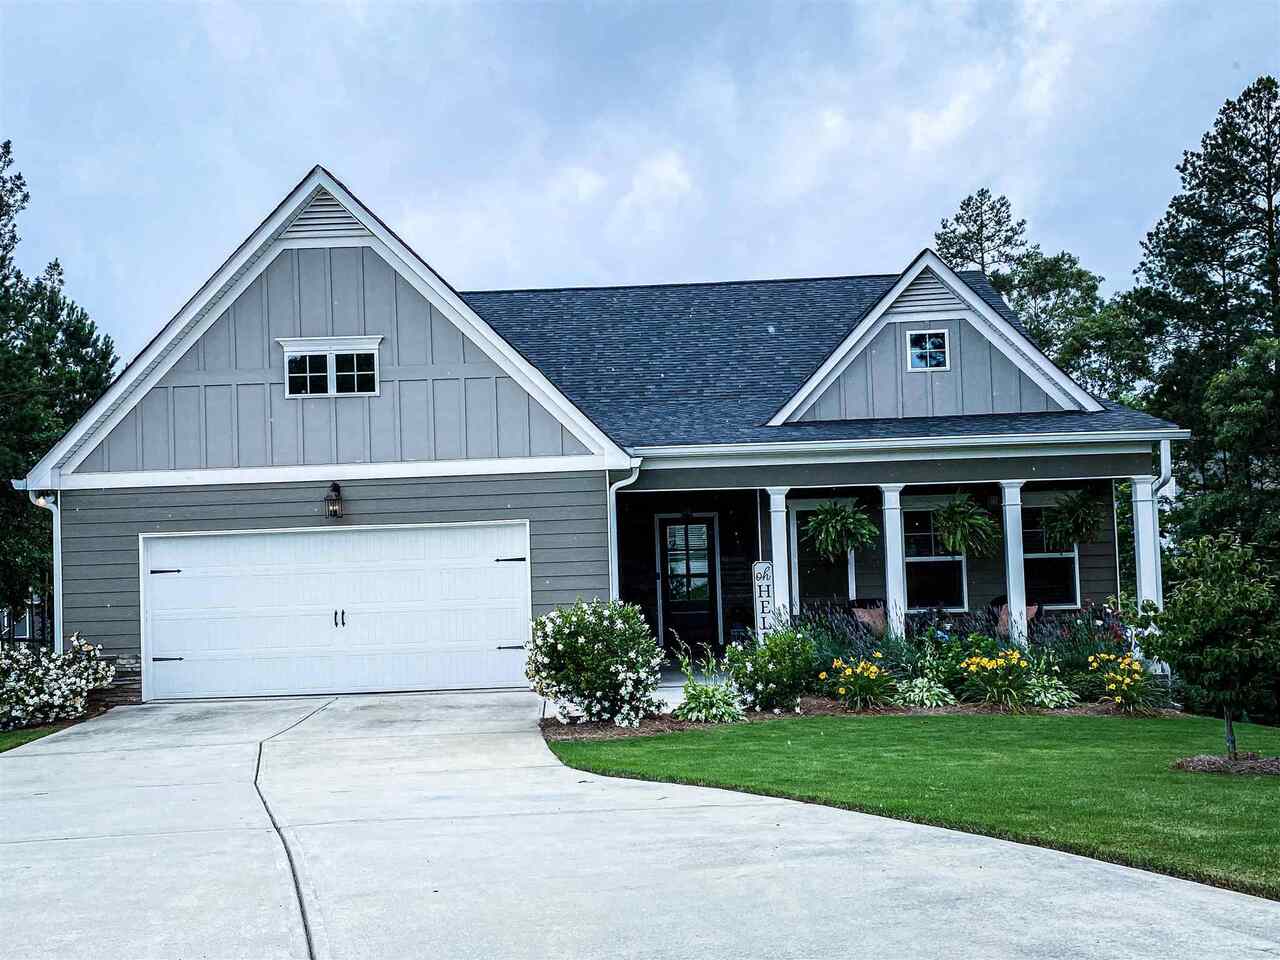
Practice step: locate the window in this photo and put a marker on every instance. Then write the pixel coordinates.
(688, 555)
(816, 578)
(1051, 575)
(331, 366)
(935, 578)
(927, 350)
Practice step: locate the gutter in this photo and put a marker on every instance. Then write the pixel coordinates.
(614, 585)
(50, 502)
(907, 443)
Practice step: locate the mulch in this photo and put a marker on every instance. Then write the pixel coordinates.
(553, 729)
(1245, 763)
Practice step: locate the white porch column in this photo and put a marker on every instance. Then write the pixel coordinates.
(1146, 540)
(1014, 571)
(895, 570)
(778, 548)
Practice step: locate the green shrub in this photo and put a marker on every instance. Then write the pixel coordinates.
(596, 660)
(864, 685)
(707, 699)
(771, 672)
(923, 692)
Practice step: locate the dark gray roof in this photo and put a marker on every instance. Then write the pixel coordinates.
(712, 362)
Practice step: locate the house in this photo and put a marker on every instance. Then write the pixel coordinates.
(331, 471)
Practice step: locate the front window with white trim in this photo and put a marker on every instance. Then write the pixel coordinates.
(935, 576)
(816, 578)
(1052, 576)
(330, 366)
(928, 350)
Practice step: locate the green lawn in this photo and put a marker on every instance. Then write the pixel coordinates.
(16, 738)
(1098, 786)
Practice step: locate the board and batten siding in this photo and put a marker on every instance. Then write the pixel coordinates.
(877, 383)
(100, 528)
(223, 404)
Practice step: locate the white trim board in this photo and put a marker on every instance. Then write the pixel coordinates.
(410, 469)
(249, 260)
(1020, 351)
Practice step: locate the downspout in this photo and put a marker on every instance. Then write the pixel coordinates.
(614, 586)
(1162, 481)
(50, 502)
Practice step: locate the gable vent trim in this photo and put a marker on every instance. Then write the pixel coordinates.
(323, 218)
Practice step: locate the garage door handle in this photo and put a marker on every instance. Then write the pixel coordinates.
(335, 618)
(510, 560)
(164, 659)
(344, 618)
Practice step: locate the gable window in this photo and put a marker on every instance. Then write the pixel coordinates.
(330, 366)
(928, 350)
(1052, 576)
(935, 576)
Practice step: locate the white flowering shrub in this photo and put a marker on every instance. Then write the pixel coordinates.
(44, 687)
(596, 660)
(771, 672)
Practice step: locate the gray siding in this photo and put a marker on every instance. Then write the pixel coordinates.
(877, 384)
(100, 528)
(223, 403)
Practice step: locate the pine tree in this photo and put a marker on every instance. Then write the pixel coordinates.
(54, 364)
(1211, 271)
(983, 234)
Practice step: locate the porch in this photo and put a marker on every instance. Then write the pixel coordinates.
(685, 556)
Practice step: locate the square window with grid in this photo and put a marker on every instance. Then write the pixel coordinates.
(341, 373)
(927, 350)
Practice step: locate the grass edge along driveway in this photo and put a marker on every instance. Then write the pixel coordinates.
(1097, 786)
(16, 738)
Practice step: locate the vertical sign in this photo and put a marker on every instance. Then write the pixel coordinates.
(762, 592)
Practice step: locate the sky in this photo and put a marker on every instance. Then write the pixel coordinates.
(556, 144)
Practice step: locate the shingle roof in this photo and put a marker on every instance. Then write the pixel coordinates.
(712, 362)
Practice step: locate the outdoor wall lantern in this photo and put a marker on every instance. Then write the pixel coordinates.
(333, 502)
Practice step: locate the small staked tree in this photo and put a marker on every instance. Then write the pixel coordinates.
(1219, 630)
(983, 234)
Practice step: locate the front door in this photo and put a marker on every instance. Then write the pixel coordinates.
(688, 591)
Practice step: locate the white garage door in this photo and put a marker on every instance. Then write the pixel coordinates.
(335, 610)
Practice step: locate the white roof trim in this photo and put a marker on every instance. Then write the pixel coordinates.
(585, 463)
(198, 314)
(877, 443)
(1021, 352)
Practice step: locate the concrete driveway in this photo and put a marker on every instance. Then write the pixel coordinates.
(440, 825)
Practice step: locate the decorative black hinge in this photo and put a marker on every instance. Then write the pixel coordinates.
(164, 659)
(167, 570)
(510, 560)
(512, 646)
